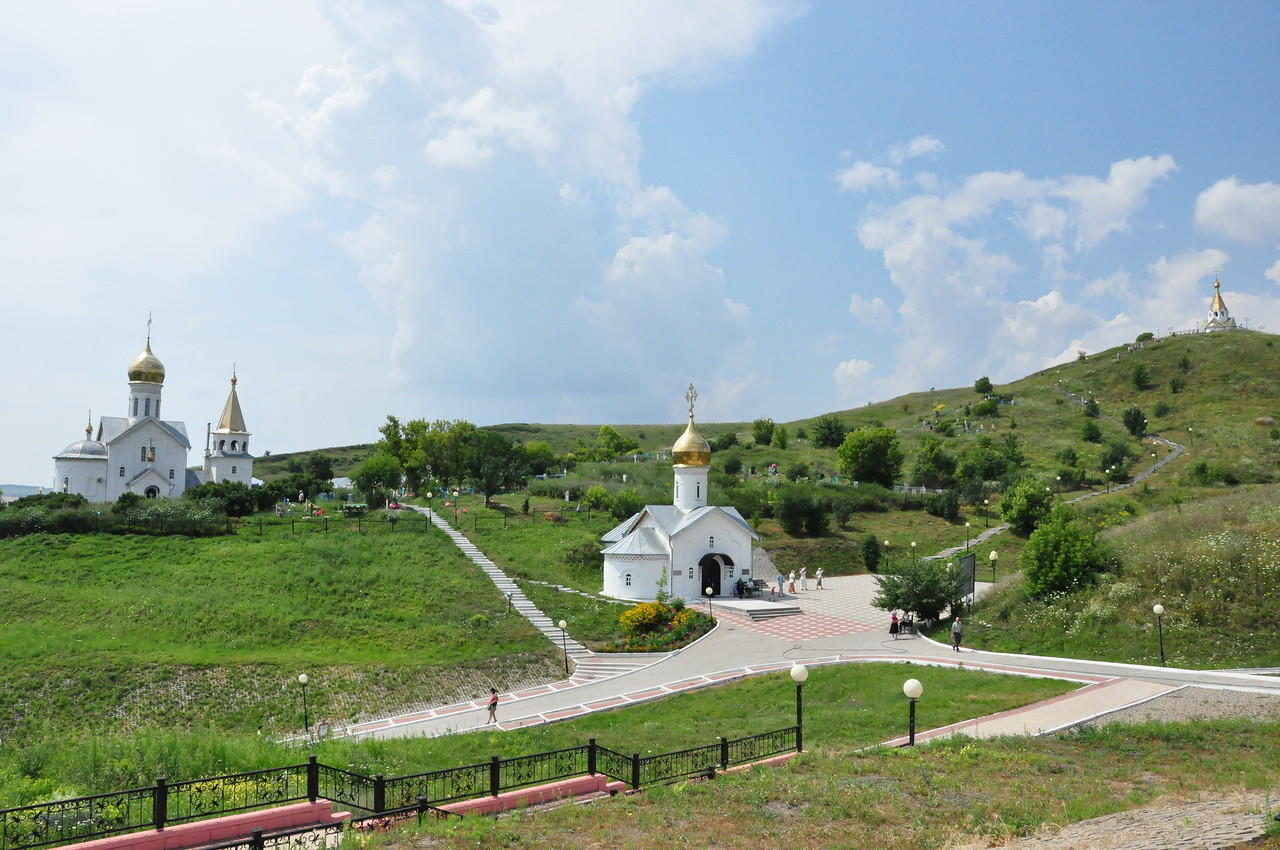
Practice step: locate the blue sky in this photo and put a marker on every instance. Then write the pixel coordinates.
(564, 212)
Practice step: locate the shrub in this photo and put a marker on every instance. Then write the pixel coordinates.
(793, 507)
(925, 587)
(1176, 384)
(1060, 556)
(645, 617)
(624, 503)
(1145, 336)
(1091, 433)
(1025, 505)
(1091, 409)
(1161, 409)
(725, 441)
(596, 497)
(945, 505)
(583, 557)
(871, 454)
(797, 470)
(828, 432)
(815, 517)
(843, 510)
(1135, 421)
(988, 407)
(762, 431)
(1141, 377)
(871, 552)
(982, 386)
(732, 465)
(780, 437)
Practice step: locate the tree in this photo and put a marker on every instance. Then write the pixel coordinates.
(780, 437)
(1061, 555)
(375, 476)
(871, 455)
(1011, 448)
(1135, 421)
(596, 497)
(539, 456)
(1176, 384)
(732, 465)
(1091, 408)
(611, 443)
(797, 470)
(1141, 377)
(793, 506)
(933, 467)
(926, 587)
(494, 463)
(828, 432)
(318, 466)
(1185, 364)
(762, 431)
(1068, 456)
(1115, 457)
(1025, 505)
(871, 552)
(625, 503)
(983, 386)
(725, 441)
(1091, 433)
(1145, 336)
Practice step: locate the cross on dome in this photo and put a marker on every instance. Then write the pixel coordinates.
(691, 396)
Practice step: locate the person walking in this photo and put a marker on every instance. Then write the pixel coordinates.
(791, 581)
(818, 576)
(956, 633)
(493, 706)
(781, 584)
(893, 625)
(804, 578)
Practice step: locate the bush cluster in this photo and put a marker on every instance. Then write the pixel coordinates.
(660, 626)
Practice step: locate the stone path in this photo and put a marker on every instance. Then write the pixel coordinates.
(508, 587)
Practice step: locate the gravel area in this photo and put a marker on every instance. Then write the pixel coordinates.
(1198, 703)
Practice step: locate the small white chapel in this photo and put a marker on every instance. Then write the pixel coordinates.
(685, 547)
(144, 454)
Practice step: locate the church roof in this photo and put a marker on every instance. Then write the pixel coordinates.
(643, 541)
(673, 520)
(1217, 303)
(691, 449)
(146, 366)
(112, 428)
(232, 419)
(91, 449)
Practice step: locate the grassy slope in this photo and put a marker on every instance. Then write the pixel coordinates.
(161, 625)
(1214, 565)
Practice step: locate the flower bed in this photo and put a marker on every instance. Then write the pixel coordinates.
(660, 627)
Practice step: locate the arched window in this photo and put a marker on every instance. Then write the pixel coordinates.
(147, 407)
(626, 579)
(222, 444)
(135, 407)
(171, 475)
(244, 447)
(233, 445)
(697, 493)
(66, 482)
(233, 470)
(157, 408)
(143, 458)
(122, 472)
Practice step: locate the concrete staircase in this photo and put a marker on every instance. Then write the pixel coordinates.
(597, 667)
(508, 588)
(773, 613)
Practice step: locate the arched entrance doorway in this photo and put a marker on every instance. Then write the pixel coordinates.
(714, 567)
(152, 492)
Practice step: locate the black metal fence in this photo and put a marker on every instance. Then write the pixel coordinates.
(165, 803)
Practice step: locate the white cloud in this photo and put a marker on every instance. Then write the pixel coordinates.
(475, 125)
(1115, 285)
(919, 146)
(870, 311)
(1102, 207)
(861, 176)
(1273, 273)
(1041, 221)
(847, 375)
(1248, 212)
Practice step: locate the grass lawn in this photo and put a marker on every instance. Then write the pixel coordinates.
(104, 631)
(846, 707)
(943, 794)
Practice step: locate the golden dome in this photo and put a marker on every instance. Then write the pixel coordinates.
(147, 367)
(1217, 303)
(692, 449)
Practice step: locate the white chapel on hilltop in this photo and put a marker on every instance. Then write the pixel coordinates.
(1219, 319)
(685, 547)
(144, 454)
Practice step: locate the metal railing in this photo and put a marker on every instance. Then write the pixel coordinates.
(82, 818)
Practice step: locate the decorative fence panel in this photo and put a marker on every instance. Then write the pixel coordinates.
(69, 821)
(197, 799)
(83, 818)
(690, 762)
(441, 786)
(756, 747)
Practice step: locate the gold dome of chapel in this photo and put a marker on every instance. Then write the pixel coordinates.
(692, 449)
(147, 367)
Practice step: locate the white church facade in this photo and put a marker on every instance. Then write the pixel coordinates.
(685, 547)
(143, 454)
(1219, 318)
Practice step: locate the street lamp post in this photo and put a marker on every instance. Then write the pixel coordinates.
(913, 551)
(708, 592)
(799, 673)
(888, 562)
(966, 537)
(1110, 472)
(1058, 478)
(564, 644)
(986, 513)
(912, 689)
(429, 495)
(993, 557)
(306, 718)
(1158, 610)
(456, 494)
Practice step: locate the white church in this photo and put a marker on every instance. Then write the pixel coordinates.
(144, 454)
(685, 547)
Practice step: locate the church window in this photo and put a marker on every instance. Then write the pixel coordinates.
(627, 579)
(233, 445)
(144, 454)
(147, 408)
(157, 408)
(135, 407)
(171, 475)
(711, 541)
(66, 482)
(233, 470)
(697, 493)
(222, 444)
(122, 472)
